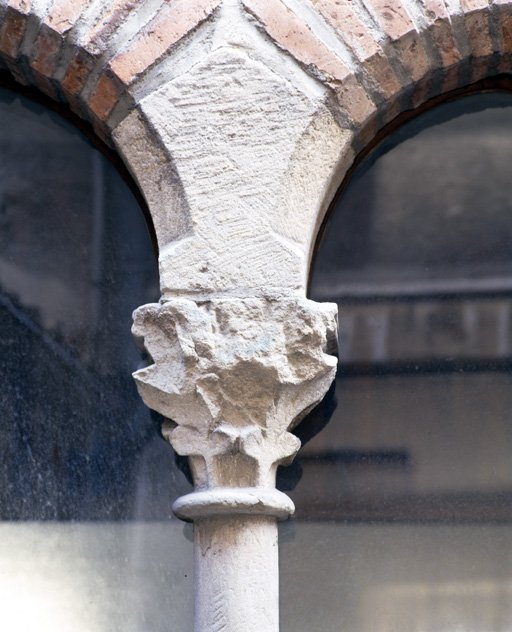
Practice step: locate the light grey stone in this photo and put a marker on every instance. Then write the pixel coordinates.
(234, 376)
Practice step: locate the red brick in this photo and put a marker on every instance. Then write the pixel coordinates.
(105, 97)
(393, 110)
(506, 34)
(47, 49)
(440, 28)
(354, 99)
(421, 92)
(480, 68)
(90, 48)
(45, 84)
(293, 35)
(343, 18)
(504, 10)
(444, 42)
(20, 6)
(413, 55)
(352, 30)
(17, 72)
(64, 14)
(47, 52)
(505, 62)
(368, 132)
(378, 67)
(392, 17)
(77, 74)
(398, 26)
(476, 15)
(451, 79)
(172, 23)
(13, 28)
(474, 5)
(102, 132)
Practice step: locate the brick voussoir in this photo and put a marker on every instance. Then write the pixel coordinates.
(12, 32)
(503, 11)
(171, 24)
(506, 29)
(292, 35)
(45, 84)
(398, 26)
(379, 69)
(436, 24)
(49, 44)
(354, 100)
(478, 27)
(480, 67)
(88, 53)
(392, 17)
(476, 17)
(96, 39)
(352, 30)
(105, 96)
(78, 71)
(349, 27)
(64, 14)
(47, 51)
(444, 42)
(414, 57)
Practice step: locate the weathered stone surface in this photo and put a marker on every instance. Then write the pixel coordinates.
(155, 173)
(234, 375)
(232, 144)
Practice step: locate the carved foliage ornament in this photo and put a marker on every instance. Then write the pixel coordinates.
(233, 376)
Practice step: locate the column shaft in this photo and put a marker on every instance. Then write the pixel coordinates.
(236, 574)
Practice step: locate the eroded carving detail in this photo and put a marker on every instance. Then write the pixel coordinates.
(234, 375)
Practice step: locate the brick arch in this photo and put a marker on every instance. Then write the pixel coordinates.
(151, 75)
(92, 55)
(383, 57)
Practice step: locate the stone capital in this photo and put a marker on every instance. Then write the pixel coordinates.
(233, 377)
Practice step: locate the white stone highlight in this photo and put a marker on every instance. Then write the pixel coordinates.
(234, 375)
(236, 574)
(233, 128)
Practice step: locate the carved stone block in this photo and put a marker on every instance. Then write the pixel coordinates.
(233, 376)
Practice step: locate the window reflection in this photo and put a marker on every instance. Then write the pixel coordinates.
(406, 496)
(87, 539)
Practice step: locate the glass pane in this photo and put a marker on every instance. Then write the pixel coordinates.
(405, 502)
(87, 538)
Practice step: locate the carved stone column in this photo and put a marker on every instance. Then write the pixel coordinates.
(232, 377)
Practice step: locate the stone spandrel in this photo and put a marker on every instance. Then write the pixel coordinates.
(234, 376)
